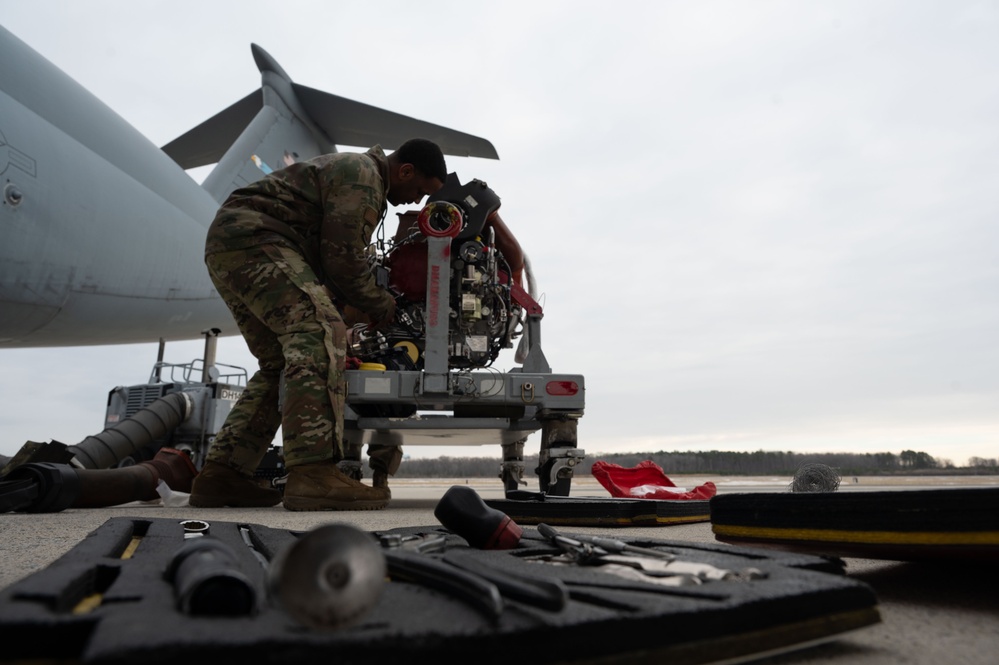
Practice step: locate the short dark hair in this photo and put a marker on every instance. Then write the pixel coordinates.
(425, 155)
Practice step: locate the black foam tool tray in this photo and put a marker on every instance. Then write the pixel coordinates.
(602, 511)
(94, 606)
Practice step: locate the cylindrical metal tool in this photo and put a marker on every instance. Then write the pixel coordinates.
(195, 528)
(330, 577)
(207, 580)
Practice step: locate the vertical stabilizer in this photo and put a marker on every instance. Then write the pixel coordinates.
(284, 122)
(280, 134)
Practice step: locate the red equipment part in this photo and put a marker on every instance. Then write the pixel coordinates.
(440, 219)
(408, 266)
(645, 480)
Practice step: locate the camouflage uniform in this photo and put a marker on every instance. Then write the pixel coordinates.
(283, 252)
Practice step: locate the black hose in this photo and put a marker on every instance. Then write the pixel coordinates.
(40, 487)
(815, 478)
(127, 438)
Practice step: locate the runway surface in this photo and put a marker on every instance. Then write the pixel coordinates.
(946, 613)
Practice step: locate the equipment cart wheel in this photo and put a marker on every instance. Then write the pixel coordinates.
(558, 456)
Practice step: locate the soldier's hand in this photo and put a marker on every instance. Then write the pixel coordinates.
(387, 320)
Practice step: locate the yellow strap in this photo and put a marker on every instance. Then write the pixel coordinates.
(872, 537)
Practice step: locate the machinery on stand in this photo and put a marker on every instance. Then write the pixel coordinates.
(427, 379)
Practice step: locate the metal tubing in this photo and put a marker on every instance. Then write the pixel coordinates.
(207, 580)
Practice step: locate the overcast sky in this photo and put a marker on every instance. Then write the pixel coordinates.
(757, 225)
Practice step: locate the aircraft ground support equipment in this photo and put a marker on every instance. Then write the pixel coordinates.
(426, 379)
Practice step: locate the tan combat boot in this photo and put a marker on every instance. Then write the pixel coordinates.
(322, 486)
(219, 485)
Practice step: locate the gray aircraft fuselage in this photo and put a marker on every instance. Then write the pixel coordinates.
(102, 233)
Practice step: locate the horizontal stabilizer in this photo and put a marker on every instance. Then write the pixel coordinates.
(206, 143)
(352, 123)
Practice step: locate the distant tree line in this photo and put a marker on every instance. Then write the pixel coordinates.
(714, 462)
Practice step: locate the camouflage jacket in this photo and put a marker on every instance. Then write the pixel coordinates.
(326, 208)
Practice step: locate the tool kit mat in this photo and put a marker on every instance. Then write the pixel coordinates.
(601, 511)
(909, 525)
(108, 601)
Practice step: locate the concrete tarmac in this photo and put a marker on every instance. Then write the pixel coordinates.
(944, 613)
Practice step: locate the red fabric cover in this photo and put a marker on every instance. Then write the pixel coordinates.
(646, 480)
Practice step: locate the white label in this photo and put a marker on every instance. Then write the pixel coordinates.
(378, 385)
(489, 387)
(472, 203)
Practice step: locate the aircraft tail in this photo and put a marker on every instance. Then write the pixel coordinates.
(283, 122)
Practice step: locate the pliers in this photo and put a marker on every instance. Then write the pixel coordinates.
(641, 563)
(460, 574)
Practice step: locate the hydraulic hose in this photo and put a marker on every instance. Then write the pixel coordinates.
(44, 487)
(107, 449)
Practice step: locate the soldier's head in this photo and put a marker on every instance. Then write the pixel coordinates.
(416, 170)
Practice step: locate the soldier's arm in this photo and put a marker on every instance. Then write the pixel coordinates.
(507, 244)
(351, 217)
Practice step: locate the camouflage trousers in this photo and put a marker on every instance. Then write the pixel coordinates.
(380, 457)
(293, 329)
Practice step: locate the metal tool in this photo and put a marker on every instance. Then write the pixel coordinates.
(550, 595)
(638, 563)
(476, 591)
(207, 580)
(608, 545)
(195, 528)
(584, 548)
(330, 577)
(698, 572)
(424, 542)
(461, 573)
(405, 555)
